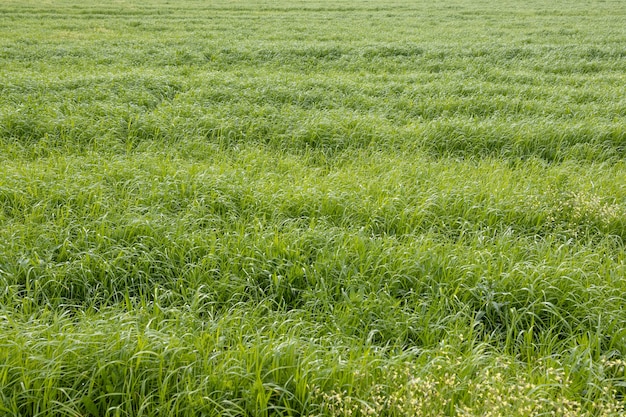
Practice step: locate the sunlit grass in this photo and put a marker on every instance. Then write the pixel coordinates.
(312, 209)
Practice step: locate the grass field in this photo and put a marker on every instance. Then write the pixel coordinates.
(346, 208)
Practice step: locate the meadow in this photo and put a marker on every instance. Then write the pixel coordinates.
(346, 208)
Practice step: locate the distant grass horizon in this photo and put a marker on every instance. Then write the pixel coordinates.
(322, 208)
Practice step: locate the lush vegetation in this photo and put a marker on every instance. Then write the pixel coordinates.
(312, 208)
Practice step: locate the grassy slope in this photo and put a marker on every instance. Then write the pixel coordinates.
(312, 208)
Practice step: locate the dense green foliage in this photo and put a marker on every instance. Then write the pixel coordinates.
(296, 208)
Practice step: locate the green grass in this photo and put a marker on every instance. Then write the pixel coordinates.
(312, 208)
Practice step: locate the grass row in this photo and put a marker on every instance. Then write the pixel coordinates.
(446, 117)
(254, 361)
